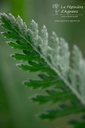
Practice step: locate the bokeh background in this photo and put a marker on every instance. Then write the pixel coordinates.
(16, 110)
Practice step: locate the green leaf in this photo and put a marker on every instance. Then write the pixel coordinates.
(63, 110)
(62, 83)
(54, 96)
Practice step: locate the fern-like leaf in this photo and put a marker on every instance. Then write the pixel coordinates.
(64, 84)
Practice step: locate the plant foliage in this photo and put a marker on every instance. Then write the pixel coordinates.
(62, 79)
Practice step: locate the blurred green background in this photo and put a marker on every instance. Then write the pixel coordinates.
(16, 110)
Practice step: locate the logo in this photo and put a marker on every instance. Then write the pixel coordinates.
(67, 12)
(56, 8)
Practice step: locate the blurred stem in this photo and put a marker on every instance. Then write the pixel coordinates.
(17, 7)
(13, 97)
